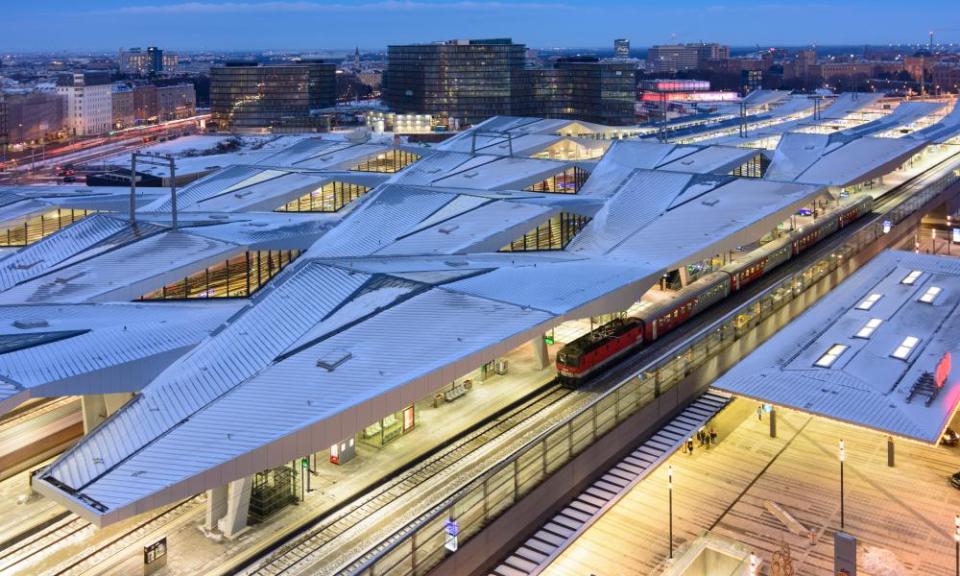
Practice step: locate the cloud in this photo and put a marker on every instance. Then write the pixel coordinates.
(388, 5)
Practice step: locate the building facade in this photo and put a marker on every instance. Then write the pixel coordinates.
(145, 103)
(467, 81)
(621, 48)
(122, 106)
(33, 117)
(247, 96)
(88, 102)
(176, 102)
(677, 57)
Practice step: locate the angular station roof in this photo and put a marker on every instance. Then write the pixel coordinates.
(312, 357)
(867, 353)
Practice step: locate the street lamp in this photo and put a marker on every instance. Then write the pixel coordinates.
(843, 457)
(670, 500)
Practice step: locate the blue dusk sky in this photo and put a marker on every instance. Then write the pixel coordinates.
(80, 25)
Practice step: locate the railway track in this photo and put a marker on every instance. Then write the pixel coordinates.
(16, 555)
(445, 469)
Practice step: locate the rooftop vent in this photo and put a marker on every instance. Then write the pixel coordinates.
(334, 359)
(710, 202)
(30, 324)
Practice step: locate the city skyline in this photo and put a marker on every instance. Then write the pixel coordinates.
(373, 24)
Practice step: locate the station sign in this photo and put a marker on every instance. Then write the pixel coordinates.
(155, 556)
(452, 530)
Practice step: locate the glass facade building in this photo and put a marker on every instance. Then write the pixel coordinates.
(251, 97)
(471, 80)
(554, 234)
(236, 277)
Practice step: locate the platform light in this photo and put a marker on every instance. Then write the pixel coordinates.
(869, 328)
(931, 294)
(868, 302)
(905, 348)
(831, 355)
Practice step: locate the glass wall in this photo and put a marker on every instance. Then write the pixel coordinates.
(753, 168)
(39, 227)
(389, 161)
(567, 182)
(236, 277)
(330, 197)
(554, 234)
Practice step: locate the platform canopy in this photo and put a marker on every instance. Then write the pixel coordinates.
(326, 346)
(877, 351)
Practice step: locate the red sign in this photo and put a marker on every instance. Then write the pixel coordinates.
(943, 370)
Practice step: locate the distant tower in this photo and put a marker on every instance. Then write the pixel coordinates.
(931, 41)
(621, 48)
(356, 59)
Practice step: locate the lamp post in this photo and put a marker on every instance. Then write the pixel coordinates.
(843, 456)
(670, 500)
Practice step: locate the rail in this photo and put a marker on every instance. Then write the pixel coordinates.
(421, 545)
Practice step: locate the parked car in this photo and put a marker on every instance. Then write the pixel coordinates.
(950, 438)
(955, 480)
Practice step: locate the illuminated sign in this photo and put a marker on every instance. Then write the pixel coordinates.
(886, 226)
(943, 370)
(956, 235)
(155, 556)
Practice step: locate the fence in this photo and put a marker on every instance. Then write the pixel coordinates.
(421, 545)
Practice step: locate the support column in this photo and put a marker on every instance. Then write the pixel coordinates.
(94, 411)
(216, 507)
(890, 452)
(238, 504)
(540, 352)
(773, 422)
(114, 402)
(684, 277)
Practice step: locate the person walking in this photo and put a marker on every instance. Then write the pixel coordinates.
(713, 436)
(690, 445)
(760, 412)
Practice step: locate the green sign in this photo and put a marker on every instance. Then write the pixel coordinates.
(305, 462)
(548, 339)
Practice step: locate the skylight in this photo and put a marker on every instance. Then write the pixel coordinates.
(831, 355)
(869, 328)
(905, 348)
(931, 294)
(869, 301)
(910, 278)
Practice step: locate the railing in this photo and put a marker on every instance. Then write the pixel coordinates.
(422, 544)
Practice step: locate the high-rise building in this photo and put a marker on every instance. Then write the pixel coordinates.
(149, 61)
(677, 57)
(621, 48)
(246, 96)
(465, 80)
(89, 107)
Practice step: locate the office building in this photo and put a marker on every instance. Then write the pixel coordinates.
(464, 80)
(150, 61)
(122, 106)
(145, 103)
(246, 96)
(467, 81)
(621, 48)
(176, 101)
(89, 109)
(677, 57)
(31, 117)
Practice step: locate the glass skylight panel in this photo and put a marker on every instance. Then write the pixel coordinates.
(868, 328)
(831, 355)
(905, 348)
(931, 294)
(910, 278)
(868, 302)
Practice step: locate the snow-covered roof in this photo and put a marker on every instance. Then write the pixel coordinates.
(420, 248)
(851, 360)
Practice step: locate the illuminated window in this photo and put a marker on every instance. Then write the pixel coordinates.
(389, 161)
(237, 277)
(906, 347)
(869, 301)
(567, 182)
(753, 168)
(554, 234)
(330, 197)
(41, 226)
(869, 328)
(931, 294)
(831, 355)
(911, 278)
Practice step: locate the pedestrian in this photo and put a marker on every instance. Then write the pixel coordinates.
(690, 445)
(760, 412)
(700, 437)
(713, 436)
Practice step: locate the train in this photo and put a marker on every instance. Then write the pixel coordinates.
(583, 358)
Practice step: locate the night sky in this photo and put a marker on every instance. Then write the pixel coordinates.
(80, 25)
